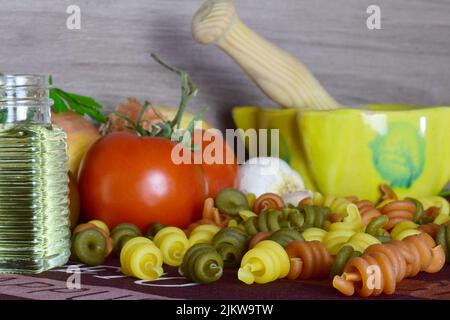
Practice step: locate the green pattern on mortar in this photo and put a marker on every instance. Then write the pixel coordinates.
(399, 154)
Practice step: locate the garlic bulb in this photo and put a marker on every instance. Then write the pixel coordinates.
(269, 174)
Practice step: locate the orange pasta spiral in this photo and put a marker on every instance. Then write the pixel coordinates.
(396, 260)
(430, 228)
(398, 211)
(309, 260)
(334, 217)
(268, 201)
(387, 193)
(431, 212)
(260, 236)
(210, 215)
(307, 201)
(367, 210)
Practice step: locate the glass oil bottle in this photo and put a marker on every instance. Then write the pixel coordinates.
(34, 201)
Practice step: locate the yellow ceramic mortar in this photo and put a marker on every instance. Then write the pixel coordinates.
(352, 151)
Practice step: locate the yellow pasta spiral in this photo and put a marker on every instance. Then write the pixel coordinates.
(141, 258)
(266, 262)
(352, 221)
(336, 204)
(335, 240)
(404, 229)
(203, 234)
(312, 234)
(439, 202)
(173, 243)
(246, 214)
(361, 241)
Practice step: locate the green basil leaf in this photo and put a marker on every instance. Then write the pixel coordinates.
(86, 101)
(83, 105)
(59, 104)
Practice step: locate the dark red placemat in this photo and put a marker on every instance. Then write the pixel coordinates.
(106, 282)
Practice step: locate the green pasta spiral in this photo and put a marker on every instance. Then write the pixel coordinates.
(273, 220)
(443, 239)
(268, 220)
(153, 229)
(344, 254)
(231, 244)
(315, 216)
(295, 219)
(375, 227)
(122, 233)
(231, 201)
(418, 215)
(202, 264)
(285, 236)
(384, 239)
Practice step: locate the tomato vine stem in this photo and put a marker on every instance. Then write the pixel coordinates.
(164, 128)
(188, 90)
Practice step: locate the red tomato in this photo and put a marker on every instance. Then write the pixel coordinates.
(128, 178)
(219, 175)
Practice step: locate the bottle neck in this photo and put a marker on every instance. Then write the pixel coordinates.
(25, 99)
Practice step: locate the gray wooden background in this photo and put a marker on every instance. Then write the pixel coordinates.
(408, 61)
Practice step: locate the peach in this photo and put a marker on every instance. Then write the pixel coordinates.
(81, 134)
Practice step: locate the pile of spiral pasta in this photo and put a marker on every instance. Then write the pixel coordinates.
(360, 246)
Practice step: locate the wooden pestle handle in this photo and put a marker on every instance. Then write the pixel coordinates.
(282, 77)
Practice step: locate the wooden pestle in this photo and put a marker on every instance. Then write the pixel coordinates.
(282, 77)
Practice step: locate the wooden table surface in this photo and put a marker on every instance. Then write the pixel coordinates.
(106, 282)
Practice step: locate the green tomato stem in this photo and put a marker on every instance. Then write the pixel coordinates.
(188, 90)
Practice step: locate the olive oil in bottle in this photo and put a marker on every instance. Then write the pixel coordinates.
(34, 202)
